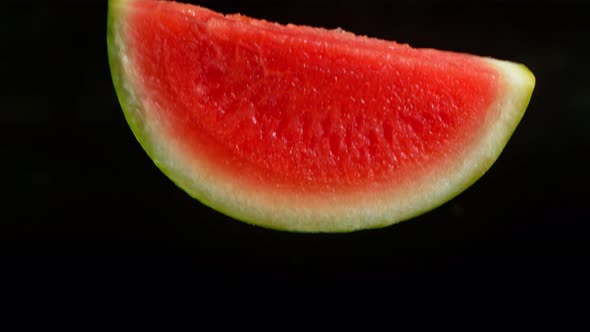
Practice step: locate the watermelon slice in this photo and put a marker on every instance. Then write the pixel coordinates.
(307, 129)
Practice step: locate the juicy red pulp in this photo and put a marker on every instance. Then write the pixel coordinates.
(300, 109)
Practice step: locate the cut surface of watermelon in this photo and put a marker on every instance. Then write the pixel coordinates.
(307, 129)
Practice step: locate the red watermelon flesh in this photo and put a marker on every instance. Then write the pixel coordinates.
(304, 128)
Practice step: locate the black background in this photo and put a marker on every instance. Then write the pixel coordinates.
(80, 194)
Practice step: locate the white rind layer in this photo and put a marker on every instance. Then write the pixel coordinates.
(274, 208)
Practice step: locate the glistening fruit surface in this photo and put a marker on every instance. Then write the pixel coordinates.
(294, 123)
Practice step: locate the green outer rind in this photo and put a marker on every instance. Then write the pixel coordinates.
(517, 83)
(130, 101)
